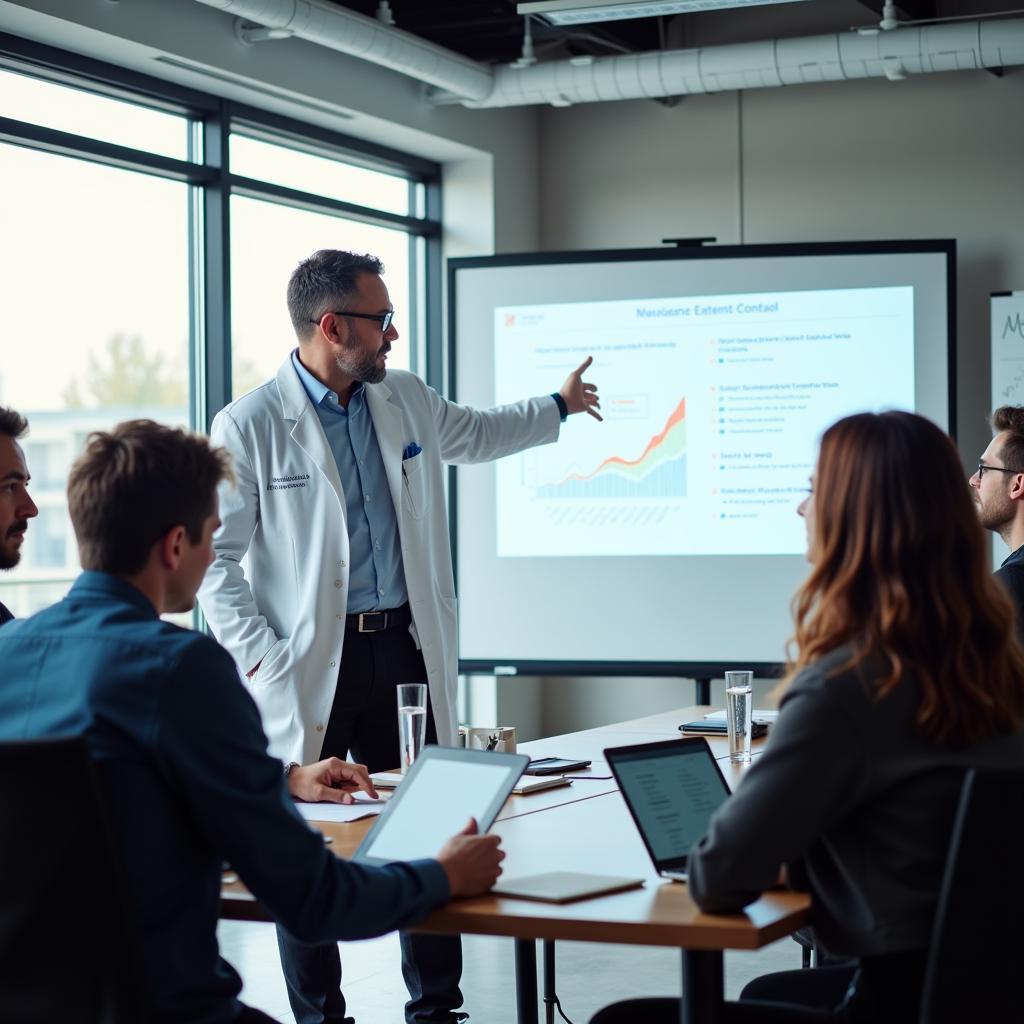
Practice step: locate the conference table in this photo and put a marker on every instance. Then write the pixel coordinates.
(587, 828)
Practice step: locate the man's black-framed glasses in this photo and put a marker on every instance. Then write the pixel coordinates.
(384, 319)
(996, 469)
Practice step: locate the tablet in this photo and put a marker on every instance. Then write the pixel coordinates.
(445, 787)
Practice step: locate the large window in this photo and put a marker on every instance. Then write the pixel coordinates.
(262, 334)
(94, 317)
(124, 216)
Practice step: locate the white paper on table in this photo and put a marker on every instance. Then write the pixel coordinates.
(363, 807)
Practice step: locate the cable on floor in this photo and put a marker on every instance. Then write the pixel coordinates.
(558, 1007)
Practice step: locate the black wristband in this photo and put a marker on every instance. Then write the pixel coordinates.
(563, 409)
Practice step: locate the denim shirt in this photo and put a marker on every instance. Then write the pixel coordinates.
(183, 762)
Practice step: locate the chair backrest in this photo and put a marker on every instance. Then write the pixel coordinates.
(65, 945)
(977, 948)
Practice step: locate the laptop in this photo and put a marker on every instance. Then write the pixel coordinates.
(672, 789)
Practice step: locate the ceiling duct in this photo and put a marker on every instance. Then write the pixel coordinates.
(909, 50)
(964, 46)
(359, 36)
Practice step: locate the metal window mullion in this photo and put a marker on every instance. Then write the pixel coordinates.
(196, 333)
(216, 267)
(416, 275)
(299, 200)
(434, 346)
(49, 140)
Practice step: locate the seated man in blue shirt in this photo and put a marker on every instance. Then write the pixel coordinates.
(178, 741)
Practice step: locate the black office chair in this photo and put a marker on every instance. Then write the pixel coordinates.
(65, 949)
(977, 946)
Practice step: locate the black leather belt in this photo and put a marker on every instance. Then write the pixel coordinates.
(376, 622)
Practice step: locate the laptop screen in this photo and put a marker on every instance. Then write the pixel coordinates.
(672, 789)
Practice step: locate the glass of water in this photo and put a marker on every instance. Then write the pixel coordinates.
(739, 709)
(412, 722)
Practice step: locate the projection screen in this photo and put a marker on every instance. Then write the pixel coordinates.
(665, 540)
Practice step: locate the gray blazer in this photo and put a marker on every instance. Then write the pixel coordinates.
(856, 803)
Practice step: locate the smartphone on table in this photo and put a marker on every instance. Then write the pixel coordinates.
(718, 727)
(554, 766)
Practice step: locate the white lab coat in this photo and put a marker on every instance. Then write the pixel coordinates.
(277, 590)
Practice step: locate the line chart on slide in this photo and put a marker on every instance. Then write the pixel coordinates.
(628, 481)
(658, 472)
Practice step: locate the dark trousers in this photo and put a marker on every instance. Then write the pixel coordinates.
(364, 721)
(878, 990)
(251, 1016)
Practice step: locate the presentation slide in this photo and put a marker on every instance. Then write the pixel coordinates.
(667, 536)
(712, 407)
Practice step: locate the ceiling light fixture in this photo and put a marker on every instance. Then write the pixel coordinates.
(581, 12)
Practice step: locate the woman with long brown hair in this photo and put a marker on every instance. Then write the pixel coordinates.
(905, 673)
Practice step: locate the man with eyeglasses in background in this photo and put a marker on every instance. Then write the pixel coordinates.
(16, 507)
(348, 588)
(998, 485)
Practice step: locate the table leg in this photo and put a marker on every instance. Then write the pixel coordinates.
(703, 986)
(526, 981)
(549, 981)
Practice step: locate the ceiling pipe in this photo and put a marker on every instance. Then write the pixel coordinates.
(964, 46)
(368, 39)
(908, 50)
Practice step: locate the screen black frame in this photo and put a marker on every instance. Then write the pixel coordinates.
(665, 748)
(699, 670)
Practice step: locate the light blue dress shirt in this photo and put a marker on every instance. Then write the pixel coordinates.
(377, 576)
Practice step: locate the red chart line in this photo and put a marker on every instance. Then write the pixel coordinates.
(678, 415)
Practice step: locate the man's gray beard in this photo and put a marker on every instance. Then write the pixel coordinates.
(366, 373)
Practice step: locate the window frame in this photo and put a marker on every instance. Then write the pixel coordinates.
(212, 182)
(211, 119)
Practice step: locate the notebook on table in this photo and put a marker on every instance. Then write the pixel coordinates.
(564, 886)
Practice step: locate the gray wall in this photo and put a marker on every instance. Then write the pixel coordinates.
(935, 156)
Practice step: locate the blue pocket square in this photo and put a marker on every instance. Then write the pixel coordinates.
(411, 451)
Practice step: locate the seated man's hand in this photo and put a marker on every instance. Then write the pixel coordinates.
(331, 780)
(472, 862)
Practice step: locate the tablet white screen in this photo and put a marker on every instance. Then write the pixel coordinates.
(444, 796)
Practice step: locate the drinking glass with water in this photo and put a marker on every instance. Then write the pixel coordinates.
(739, 713)
(412, 722)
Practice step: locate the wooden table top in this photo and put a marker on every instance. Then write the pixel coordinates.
(552, 830)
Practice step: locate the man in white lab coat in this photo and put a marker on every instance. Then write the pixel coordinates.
(347, 587)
